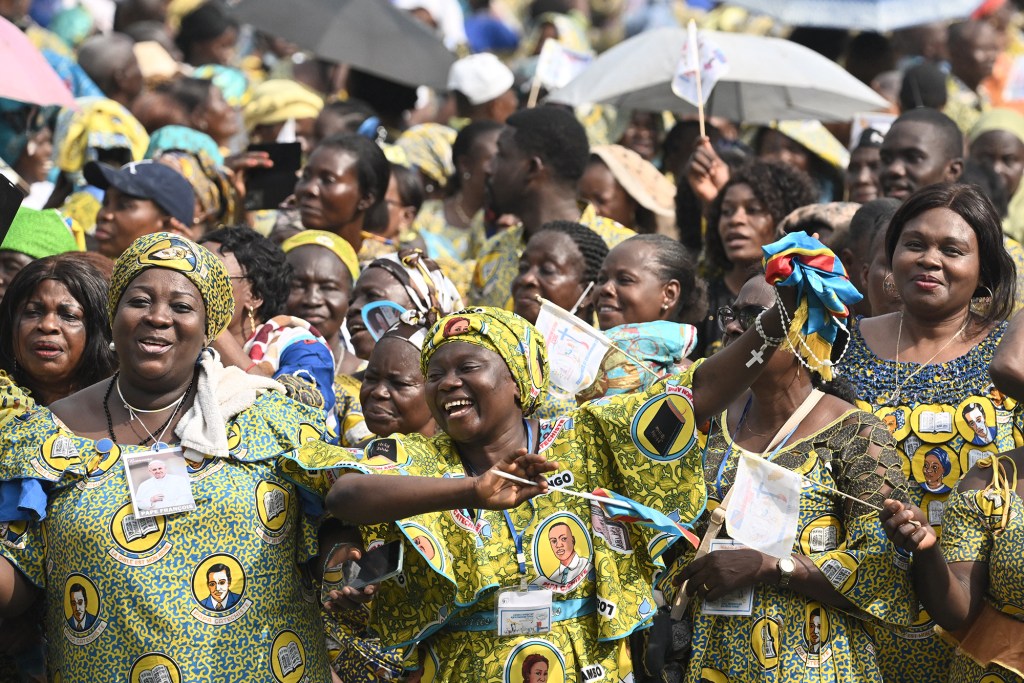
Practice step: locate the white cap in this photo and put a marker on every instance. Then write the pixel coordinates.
(480, 77)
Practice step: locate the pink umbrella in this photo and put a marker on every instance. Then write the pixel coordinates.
(28, 77)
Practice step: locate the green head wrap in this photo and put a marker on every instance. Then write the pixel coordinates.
(174, 252)
(39, 234)
(519, 344)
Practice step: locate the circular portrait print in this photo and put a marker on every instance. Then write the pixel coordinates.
(13, 533)
(975, 419)
(81, 604)
(535, 661)
(426, 544)
(59, 452)
(933, 422)
(817, 630)
(822, 534)
(664, 427)
(764, 642)
(562, 552)
(709, 675)
(935, 468)
(272, 505)
(896, 419)
(154, 667)
(288, 658)
(218, 583)
(173, 253)
(137, 541)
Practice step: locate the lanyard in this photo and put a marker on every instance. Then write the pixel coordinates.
(517, 536)
(731, 441)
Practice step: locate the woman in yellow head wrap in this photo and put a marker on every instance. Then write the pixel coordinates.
(90, 534)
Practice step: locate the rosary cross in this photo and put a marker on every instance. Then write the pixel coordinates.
(756, 356)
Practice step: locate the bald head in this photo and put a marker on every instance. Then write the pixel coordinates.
(110, 62)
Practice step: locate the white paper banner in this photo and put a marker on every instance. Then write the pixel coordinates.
(557, 64)
(575, 349)
(764, 510)
(698, 53)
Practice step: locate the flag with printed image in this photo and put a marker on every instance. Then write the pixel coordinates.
(575, 349)
(623, 509)
(557, 65)
(700, 55)
(764, 508)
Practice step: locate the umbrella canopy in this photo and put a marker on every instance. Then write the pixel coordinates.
(862, 15)
(769, 79)
(28, 77)
(370, 35)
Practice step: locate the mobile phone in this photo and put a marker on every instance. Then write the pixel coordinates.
(11, 197)
(267, 188)
(380, 564)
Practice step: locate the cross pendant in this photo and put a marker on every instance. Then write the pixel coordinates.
(756, 356)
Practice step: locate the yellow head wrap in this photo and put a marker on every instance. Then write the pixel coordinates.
(174, 252)
(98, 123)
(998, 119)
(279, 100)
(328, 240)
(428, 147)
(519, 344)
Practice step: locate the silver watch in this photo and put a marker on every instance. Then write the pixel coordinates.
(787, 567)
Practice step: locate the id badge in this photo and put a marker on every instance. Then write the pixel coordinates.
(739, 603)
(523, 613)
(158, 482)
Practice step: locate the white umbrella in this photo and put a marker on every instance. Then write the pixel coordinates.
(862, 15)
(769, 79)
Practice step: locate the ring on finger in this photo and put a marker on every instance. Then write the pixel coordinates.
(706, 588)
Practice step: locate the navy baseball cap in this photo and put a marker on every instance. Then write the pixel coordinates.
(158, 183)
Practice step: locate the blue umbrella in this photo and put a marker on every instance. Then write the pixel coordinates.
(862, 15)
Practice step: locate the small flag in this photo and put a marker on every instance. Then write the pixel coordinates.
(700, 54)
(765, 506)
(557, 64)
(575, 349)
(631, 512)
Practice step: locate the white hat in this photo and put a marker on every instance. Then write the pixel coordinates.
(480, 77)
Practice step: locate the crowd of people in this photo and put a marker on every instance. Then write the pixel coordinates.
(264, 316)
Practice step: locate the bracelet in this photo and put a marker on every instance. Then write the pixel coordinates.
(771, 341)
(251, 366)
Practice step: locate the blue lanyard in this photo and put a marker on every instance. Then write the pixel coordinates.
(728, 452)
(517, 536)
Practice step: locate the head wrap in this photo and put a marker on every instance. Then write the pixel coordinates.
(998, 119)
(813, 135)
(428, 147)
(19, 123)
(174, 252)
(231, 81)
(519, 344)
(211, 185)
(73, 25)
(184, 139)
(328, 240)
(98, 123)
(432, 292)
(414, 334)
(278, 100)
(639, 178)
(39, 234)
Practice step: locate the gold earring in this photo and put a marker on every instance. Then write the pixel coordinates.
(252, 321)
(889, 287)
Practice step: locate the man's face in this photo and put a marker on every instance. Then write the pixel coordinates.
(815, 629)
(219, 585)
(78, 605)
(976, 421)
(562, 543)
(974, 57)
(157, 469)
(506, 174)
(912, 157)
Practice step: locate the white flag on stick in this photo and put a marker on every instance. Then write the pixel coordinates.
(557, 64)
(700, 55)
(575, 349)
(765, 507)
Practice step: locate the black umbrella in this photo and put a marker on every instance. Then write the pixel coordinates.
(370, 35)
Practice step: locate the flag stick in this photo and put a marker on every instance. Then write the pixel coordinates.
(695, 51)
(531, 102)
(589, 496)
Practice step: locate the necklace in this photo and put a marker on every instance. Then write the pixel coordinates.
(132, 409)
(894, 398)
(162, 429)
(461, 213)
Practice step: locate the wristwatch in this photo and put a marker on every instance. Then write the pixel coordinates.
(787, 567)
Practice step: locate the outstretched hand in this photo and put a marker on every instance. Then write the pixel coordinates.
(495, 492)
(720, 573)
(906, 526)
(705, 171)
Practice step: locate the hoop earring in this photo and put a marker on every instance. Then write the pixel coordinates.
(252, 321)
(980, 304)
(889, 287)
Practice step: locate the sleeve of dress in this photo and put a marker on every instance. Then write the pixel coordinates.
(352, 428)
(866, 568)
(967, 524)
(313, 363)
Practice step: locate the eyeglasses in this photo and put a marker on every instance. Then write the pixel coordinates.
(744, 315)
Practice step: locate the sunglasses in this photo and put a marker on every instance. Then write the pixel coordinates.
(744, 316)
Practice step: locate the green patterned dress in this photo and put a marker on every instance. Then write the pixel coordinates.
(148, 614)
(442, 609)
(789, 637)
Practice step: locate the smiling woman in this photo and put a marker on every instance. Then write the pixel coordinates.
(59, 331)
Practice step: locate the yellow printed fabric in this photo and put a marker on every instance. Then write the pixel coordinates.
(127, 599)
(971, 533)
(600, 571)
(944, 419)
(498, 262)
(1016, 252)
(351, 424)
(449, 240)
(788, 636)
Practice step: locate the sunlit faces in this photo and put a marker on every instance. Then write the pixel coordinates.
(627, 289)
(744, 225)
(320, 289)
(374, 284)
(392, 394)
(50, 335)
(552, 267)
